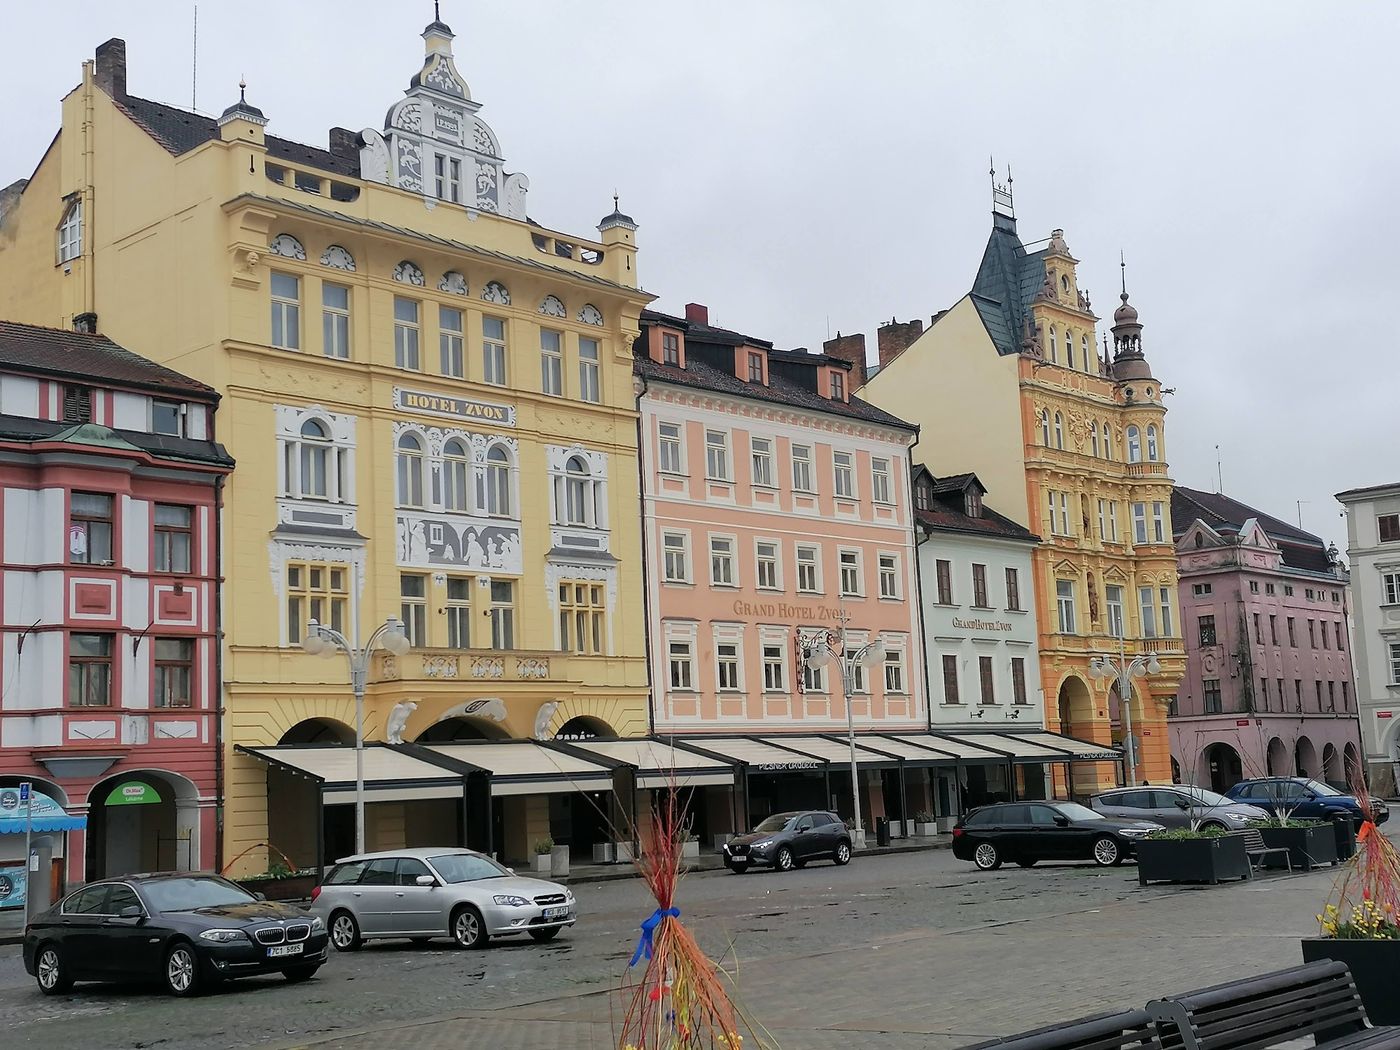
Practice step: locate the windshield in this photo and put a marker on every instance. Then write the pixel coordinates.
(1317, 787)
(1207, 798)
(199, 891)
(1075, 811)
(467, 867)
(777, 822)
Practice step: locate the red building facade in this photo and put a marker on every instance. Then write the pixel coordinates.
(110, 485)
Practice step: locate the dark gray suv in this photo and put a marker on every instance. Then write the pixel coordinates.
(1177, 806)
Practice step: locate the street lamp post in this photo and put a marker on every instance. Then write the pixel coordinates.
(1125, 670)
(820, 653)
(321, 640)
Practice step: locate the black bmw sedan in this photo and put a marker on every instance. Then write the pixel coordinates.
(1026, 832)
(789, 840)
(188, 930)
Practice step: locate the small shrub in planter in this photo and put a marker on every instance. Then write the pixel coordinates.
(1309, 843)
(690, 847)
(925, 824)
(544, 849)
(1186, 855)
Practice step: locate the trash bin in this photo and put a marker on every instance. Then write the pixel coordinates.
(1346, 837)
(882, 831)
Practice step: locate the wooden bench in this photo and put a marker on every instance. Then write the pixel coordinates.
(1318, 999)
(1257, 851)
(1132, 1030)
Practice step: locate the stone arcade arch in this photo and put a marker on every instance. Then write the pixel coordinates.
(142, 820)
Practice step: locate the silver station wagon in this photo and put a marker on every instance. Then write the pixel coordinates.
(446, 892)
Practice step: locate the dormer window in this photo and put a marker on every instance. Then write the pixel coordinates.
(671, 349)
(755, 367)
(77, 404)
(974, 503)
(923, 496)
(838, 386)
(449, 178)
(70, 232)
(167, 417)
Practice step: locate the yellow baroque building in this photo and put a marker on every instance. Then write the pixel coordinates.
(1009, 383)
(430, 400)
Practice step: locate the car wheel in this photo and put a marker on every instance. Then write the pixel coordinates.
(842, 854)
(297, 974)
(181, 970)
(784, 860)
(546, 934)
(50, 972)
(986, 857)
(1107, 852)
(345, 932)
(468, 928)
(1213, 825)
(738, 868)
(1026, 863)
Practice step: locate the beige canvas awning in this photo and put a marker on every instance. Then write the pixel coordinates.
(659, 764)
(524, 767)
(391, 775)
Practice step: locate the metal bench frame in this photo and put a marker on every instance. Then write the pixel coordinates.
(1255, 849)
(1130, 1030)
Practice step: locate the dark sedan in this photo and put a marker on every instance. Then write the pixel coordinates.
(789, 840)
(187, 930)
(1301, 798)
(1025, 832)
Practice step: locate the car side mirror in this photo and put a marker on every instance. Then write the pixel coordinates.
(511, 870)
(425, 880)
(259, 895)
(1181, 803)
(1061, 821)
(131, 911)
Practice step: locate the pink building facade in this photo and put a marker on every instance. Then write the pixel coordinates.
(774, 504)
(109, 491)
(1269, 687)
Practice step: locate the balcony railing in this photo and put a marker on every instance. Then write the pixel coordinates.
(481, 667)
(1147, 470)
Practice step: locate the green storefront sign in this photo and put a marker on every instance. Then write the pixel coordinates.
(133, 793)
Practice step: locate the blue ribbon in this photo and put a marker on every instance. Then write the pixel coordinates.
(644, 942)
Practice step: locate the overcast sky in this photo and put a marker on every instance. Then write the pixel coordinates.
(807, 167)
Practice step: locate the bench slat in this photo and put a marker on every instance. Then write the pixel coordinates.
(1130, 1030)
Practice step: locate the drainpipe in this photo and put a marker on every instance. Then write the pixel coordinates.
(219, 669)
(646, 583)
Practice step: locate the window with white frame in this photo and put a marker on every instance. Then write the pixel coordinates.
(1107, 443)
(1147, 611)
(552, 362)
(409, 461)
(802, 468)
(316, 591)
(493, 351)
(774, 678)
(1113, 599)
(850, 572)
(335, 320)
(838, 386)
(681, 657)
(1094, 438)
(582, 608)
(766, 561)
(1159, 522)
(880, 480)
(1139, 522)
(894, 672)
(761, 450)
(579, 491)
(459, 612)
(167, 417)
(1113, 521)
(1134, 445)
(406, 333)
(808, 569)
(889, 576)
(717, 455)
(669, 448)
(1059, 430)
(70, 232)
(1059, 513)
(286, 310)
(589, 376)
(1395, 663)
(315, 463)
(675, 548)
(1103, 520)
(813, 678)
(860, 682)
(1151, 443)
(1045, 427)
(456, 472)
(670, 349)
(1390, 583)
(501, 613)
(722, 572)
(413, 607)
(498, 499)
(727, 666)
(1064, 601)
(843, 467)
(447, 172)
(451, 342)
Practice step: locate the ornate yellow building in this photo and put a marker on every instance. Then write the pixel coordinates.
(430, 400)
(1009, 383)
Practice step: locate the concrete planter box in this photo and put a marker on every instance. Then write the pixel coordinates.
(1307, 847)
(1373, 965)
(542, 863)
(690, 849)
(559, 862)
(624, 852)
(1192, 860)
(603, 853)
(926, 830)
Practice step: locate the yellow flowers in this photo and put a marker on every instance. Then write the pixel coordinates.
(1367, 921)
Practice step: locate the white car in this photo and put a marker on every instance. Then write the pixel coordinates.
(437, 892)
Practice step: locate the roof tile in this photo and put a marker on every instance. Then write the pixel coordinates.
(63, 352)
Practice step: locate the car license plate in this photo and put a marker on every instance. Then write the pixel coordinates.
(556, 913)
(284, 949)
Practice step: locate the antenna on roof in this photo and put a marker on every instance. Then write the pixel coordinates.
(1219, 476)
(194, 62)
(1300, 503)
(1123, 271)
(1003, 201)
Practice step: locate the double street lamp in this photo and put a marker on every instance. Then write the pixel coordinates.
(821, 653)
(1124, 670)
(321, 640)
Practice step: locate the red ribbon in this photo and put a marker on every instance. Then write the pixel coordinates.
(1366, 829)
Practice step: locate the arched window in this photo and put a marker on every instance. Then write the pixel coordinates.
(315, 460)
(1151, 442)
(578, 486)
(1054, 354)
(1069, 348)
(1107, 443)
(497, 502)
(1094, 437)
(410, 471)
(456, 467)
(1084, 346)
(70, 232)
(1045, 427)
(1134, 445)
(1059, 430)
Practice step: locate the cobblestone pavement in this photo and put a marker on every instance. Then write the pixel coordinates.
(892, 953)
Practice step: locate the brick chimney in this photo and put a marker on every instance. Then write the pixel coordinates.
(111, 67)
(849, 348)
(86, 323)
(345, 143)
(895, 338)
(697, 313)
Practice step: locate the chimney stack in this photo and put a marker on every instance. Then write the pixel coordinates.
(111, 67)
(345, 143)
(697, 313)
(86, 323)
(849, 348)
(895, 338)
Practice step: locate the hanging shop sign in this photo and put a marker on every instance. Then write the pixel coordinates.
(133, 793)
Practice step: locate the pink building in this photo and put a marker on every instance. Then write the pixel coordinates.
(109, 651)
(1269, 688)
(774, 503)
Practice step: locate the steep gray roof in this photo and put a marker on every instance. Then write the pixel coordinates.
(1006, 282)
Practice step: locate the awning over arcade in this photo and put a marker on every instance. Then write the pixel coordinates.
(391, 775)
(523, 767)
(659, 763)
